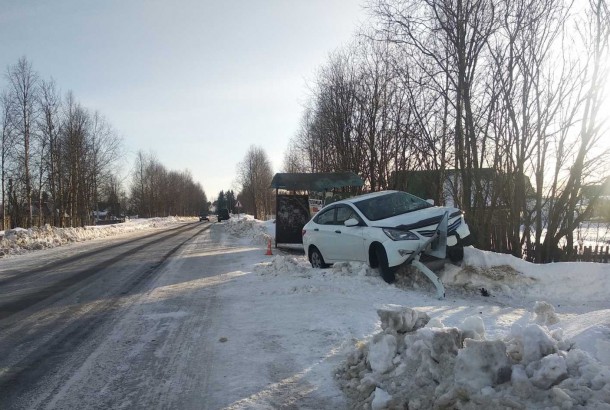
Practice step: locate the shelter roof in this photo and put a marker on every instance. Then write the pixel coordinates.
(317, 181)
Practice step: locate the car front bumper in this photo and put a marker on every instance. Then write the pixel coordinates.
(399, 252)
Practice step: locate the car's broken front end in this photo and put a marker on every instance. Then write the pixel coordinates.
(408, 238)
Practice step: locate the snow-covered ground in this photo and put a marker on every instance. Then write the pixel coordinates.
(509, 334)
(593, 234)
(19, 241)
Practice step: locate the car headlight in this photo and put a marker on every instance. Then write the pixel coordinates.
(398, 235)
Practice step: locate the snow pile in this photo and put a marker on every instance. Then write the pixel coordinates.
(281, 264)
(297, 264)
(302, 278)
(418, 363)
(19, 241)
(247, 227)
(353, 269)
(514, 277)
(590, 331)
(496, 279)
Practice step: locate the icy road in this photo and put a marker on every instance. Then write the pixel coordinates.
(95, 325)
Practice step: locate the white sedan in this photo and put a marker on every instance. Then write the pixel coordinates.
(383, 229)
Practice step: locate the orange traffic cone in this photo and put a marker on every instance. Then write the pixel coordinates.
(269, 248)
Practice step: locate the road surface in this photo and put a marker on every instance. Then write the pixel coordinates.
(120, 323)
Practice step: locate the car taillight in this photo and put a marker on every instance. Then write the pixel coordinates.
(303, 232)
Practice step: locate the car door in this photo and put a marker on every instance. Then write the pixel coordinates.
(323, 236)
(348, 239)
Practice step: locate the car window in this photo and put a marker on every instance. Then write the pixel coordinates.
(326, 217)
(392, 204)
(344, 213)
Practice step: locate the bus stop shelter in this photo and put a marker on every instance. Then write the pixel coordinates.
(293, 210)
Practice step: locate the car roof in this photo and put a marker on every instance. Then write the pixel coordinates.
(365, 196)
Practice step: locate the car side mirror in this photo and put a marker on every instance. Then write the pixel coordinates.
(430, 201)
(351, 222)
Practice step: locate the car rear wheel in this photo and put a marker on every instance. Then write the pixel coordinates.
(387, 273)
(316, 259)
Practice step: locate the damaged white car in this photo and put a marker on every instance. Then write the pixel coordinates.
(384, 229)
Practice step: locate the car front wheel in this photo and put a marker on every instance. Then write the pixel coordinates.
(455, 253)
(387, 273)
(316, 259)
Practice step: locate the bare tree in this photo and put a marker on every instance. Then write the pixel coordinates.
(567, 210)
(528, 103)
(255, 174)
(23, 82)
(307, 143)
(139, 185)
(334, 122)
(46, 147)
(373, 123)
(294, 160)
(155, 191)
(7, 144)
(105, 151)
(53, 150)
(454, 35)
(75, 129)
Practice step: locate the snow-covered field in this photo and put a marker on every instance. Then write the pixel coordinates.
(509, 334)
(593, 234)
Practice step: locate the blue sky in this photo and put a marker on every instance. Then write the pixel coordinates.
(195, 82)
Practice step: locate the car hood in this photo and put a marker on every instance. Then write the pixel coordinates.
(417, 219)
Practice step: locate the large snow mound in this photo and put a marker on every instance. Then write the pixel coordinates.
(418, 363)
(514, 277)
(245, 226)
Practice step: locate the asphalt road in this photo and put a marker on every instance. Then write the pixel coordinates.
(58, 310)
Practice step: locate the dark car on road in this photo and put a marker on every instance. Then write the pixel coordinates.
(223, 214)
(203, 217)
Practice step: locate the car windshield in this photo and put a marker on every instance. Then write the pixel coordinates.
(392, 204)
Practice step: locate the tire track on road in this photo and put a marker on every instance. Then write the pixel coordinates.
(19, 378)
(10, 308)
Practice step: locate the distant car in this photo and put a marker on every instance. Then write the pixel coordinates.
(203, 218)
(223, 214)
(382, 229)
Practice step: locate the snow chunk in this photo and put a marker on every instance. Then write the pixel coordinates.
(382, 352)
(522, 385)
(353, 269)
(561, 398)
(473, 327)
(435, 322)
(545, 314)
(549, 371)
(401, 319)
(282, 264)
(481, 364)
(537, 343)
(380, 400)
